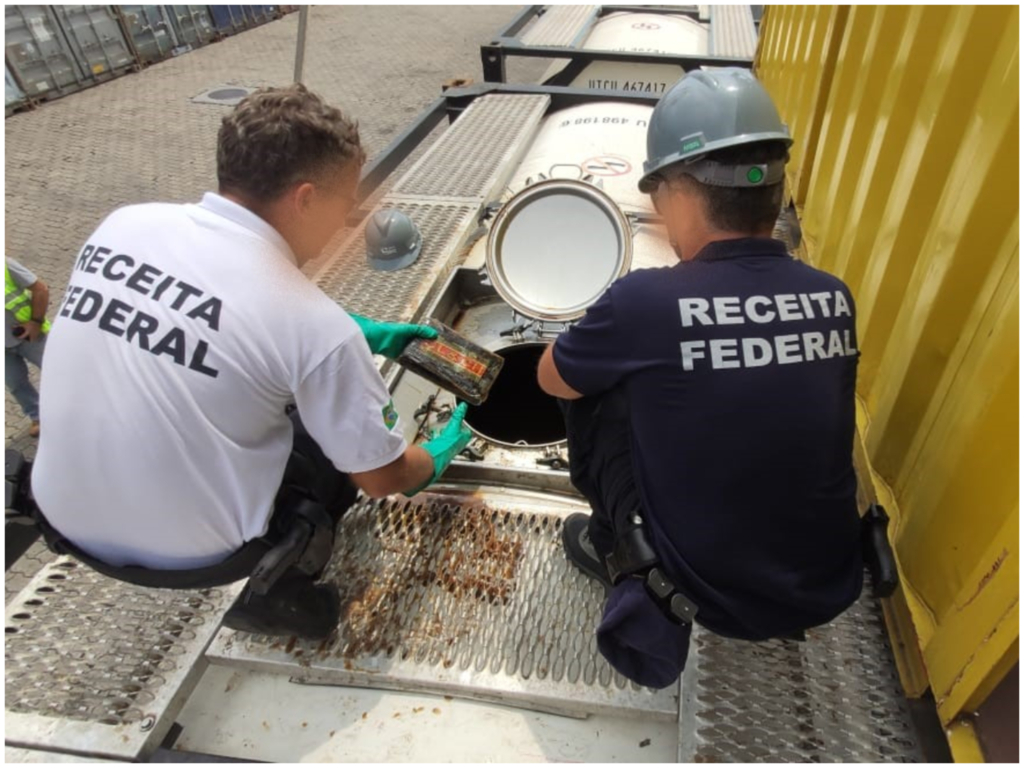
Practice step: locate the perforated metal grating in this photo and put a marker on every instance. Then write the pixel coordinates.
(560, 25)
(480, 150)
(461, 598)
(834, 698)
(732, 31)
(99, 666)
(399, 295)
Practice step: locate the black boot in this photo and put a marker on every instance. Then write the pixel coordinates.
(580, 550)
(293, 606)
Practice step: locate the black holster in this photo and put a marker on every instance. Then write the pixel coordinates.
(634, 557)
(878, 554)
(306, 544)
(632, 553)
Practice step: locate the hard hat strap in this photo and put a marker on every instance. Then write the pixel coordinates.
(744, 175)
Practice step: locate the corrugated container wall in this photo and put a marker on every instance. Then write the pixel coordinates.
(13, 95)
(261, 14)
(905, 174)
(95, 36)
(37, 51)
(151, 31)
(192, 24)
(229, 19)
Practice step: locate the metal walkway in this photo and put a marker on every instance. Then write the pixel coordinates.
(561, 25)
(517, 627)
(443, 193)
(98, 667)
(445, 596)
(732, 31)
(834, 698)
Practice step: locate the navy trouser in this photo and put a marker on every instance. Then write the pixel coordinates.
(601, 462)
(634, 635)
(601, 468)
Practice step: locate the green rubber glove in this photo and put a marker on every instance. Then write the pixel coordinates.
(445, 445)
(389, 339)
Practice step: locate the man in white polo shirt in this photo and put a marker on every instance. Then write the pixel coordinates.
(185, 333)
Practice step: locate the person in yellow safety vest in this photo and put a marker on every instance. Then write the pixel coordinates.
(25, 329)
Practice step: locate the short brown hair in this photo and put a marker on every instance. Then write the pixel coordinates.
(737, 209)
(277, 137)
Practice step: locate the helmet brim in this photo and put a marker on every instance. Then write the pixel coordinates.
(647, 183)
(393, 265)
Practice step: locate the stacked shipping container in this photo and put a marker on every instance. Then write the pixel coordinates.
(55, 50)
(904, 172)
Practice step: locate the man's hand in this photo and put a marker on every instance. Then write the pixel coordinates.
(420, 465)
(40, 300)
(32, 330)
(389, 339)
(445, 445)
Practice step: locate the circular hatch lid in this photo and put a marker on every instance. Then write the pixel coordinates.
(555, 247)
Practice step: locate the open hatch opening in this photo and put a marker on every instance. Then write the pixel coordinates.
(517, 411)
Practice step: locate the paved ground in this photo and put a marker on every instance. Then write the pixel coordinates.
(139, 138)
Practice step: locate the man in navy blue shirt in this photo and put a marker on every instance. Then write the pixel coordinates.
(710, 405)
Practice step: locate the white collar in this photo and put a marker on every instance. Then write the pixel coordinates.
(239, 214)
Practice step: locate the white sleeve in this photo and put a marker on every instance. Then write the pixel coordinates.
(348, 411)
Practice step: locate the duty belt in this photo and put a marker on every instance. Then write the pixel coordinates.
(634, 557)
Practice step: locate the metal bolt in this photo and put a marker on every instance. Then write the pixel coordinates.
(147, 723)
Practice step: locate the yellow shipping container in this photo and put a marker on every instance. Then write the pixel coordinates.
(905, 175)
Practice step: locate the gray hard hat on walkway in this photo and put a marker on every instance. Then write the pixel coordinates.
(707, 111)
(392, 240)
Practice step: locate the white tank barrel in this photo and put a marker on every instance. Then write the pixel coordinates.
(605, 141)
(638, 33)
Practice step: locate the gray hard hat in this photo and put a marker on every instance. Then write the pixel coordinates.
(710, 110)
(392, 240)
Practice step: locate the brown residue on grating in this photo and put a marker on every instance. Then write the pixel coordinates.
(390, 595)
(480, 562)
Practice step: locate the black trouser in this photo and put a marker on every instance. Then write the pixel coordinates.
(311, 472)
(308, 473)
(601, 462)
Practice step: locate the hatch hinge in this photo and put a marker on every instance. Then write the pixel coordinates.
(523, 326)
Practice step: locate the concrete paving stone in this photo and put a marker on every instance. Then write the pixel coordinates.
(28, 565)
(139, 138)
